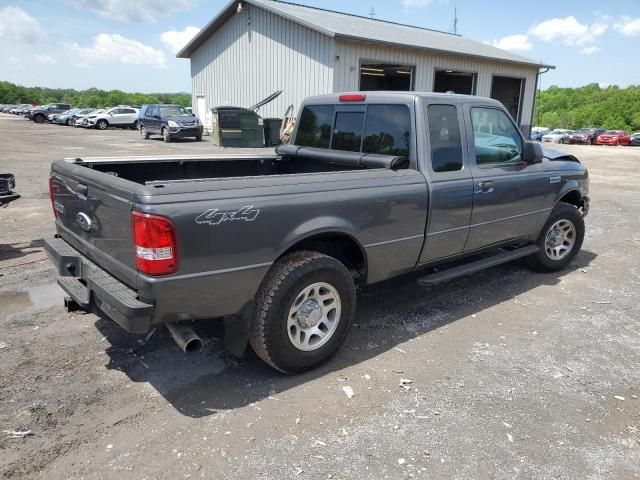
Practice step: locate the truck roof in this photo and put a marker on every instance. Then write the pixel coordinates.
(395, 97)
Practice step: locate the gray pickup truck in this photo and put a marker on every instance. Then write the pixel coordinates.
(371, 186)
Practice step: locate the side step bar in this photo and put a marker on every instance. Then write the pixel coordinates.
(473, 267)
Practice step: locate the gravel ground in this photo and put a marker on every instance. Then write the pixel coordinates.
(513, 375)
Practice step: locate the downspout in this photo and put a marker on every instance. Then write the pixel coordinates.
(536, 97)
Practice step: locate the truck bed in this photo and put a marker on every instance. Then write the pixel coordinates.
(161, 170)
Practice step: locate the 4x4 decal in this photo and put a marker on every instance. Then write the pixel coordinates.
(216, 217)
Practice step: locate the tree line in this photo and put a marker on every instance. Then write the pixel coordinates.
(589, 106)
(11, 93)
(613, 108)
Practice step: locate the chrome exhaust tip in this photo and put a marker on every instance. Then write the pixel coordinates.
(185, 337)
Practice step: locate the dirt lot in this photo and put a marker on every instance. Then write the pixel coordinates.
(515, 374)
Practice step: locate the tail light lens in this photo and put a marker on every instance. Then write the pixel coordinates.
(154, 241)
(53, 204)
(352, 97)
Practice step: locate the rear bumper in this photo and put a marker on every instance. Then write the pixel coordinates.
(93, 289)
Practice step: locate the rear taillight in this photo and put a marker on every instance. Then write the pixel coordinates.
(53, 202)
(154, 242)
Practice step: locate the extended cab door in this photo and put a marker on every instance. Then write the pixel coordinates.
(509, 194)
(451, 185)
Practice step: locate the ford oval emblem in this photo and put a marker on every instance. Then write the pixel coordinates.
(84, 221)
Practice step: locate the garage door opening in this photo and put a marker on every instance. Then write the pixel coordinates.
(509, 91)
(386, 77)
(456, 82)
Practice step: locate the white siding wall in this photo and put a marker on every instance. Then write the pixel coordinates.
(244, 62)
(347, 70)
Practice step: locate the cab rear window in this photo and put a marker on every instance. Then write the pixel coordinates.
(380, 129)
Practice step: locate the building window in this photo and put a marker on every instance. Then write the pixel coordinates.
(455, 82)
(509, 91)
(380, 76)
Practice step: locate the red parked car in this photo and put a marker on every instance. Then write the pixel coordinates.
(614, 137)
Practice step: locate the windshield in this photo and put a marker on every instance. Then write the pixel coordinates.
(174, 111)
(585, 130)
(612, 132)
(557, 131)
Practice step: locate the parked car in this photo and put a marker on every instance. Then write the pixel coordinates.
(635, 139)
(41, 114)
(364, 192)
(82, 120)
(69, 117)
(586, 136)
(121, 116)
(556, 136)
(7, 189)
(21, 109)
(614, 137)
(170, 121)
(537, 133)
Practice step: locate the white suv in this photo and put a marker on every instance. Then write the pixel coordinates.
(121, 116)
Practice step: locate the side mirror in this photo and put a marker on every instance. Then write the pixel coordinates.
(532, 153)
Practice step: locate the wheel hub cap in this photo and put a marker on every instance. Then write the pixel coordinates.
(309, 314)
(561, 238)
(314, 316)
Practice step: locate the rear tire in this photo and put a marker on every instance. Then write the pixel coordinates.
(166, 135)
(303, 311)
(560, 240)
(144, 133)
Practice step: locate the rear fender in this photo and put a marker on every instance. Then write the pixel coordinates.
(318, 226)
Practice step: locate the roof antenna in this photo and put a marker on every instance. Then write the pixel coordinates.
(455, 18)
(372, 13)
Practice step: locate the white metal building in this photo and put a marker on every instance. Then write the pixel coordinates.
(255, 47)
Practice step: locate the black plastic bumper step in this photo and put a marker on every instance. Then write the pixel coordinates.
(503, 256)
(78, 291)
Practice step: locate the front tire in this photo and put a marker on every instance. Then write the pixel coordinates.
(304, 309)
(166, 135)
(560, 240)
(102, 125)
(39, 118)
(198, 138)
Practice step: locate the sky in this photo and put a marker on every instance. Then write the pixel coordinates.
(130, 44)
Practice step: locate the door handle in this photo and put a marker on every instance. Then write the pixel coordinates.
(82, 191)
(486, 186)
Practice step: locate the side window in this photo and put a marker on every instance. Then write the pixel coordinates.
(496, 140)
(315, 126)
(347, 134)
(446, 142)
(387, 130)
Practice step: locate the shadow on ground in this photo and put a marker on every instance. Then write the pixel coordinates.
(389, 314)
(12, 251)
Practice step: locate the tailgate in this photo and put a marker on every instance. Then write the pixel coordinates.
(94, 215)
